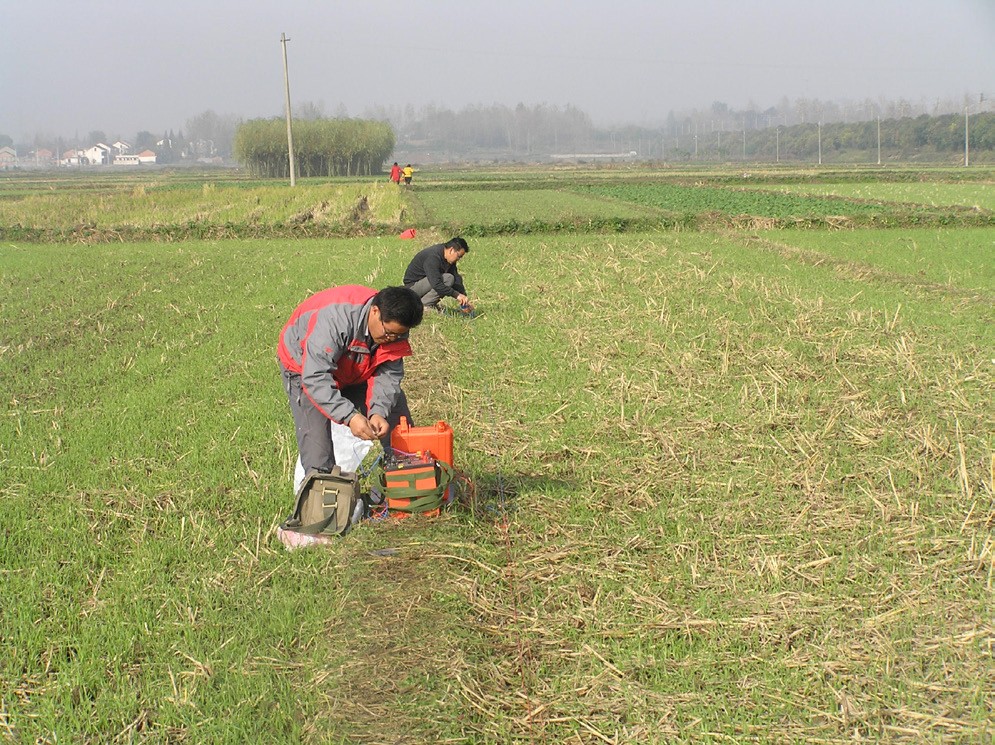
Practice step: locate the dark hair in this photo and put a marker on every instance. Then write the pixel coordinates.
(459, 244)
(399, 305)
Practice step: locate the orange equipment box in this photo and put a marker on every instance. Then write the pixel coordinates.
(437, 440)
(409, 474)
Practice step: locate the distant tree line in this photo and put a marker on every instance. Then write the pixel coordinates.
(210, 135)
(720, 134)
(921, 138)
(322, 147)
(527, 130)
(791, 130)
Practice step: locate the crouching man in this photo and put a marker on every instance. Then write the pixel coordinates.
(432, 274)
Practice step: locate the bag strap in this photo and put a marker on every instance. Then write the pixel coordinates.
(422, 500)
(336, 522)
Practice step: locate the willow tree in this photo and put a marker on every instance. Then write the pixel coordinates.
(322, 147)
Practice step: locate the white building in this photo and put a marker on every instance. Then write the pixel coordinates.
(8, 157)
(98, 155)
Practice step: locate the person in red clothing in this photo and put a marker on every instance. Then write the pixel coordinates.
(341, 356)
(395, 173)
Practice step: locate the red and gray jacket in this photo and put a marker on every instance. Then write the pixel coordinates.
(327, 342)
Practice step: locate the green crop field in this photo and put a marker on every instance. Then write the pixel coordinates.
(732, 201)
(977, 195)
(524, 205)
(730, 484)
(168, 206)
(956, 259)
(141, 205)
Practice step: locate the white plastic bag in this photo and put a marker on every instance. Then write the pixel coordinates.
(349, 452)
(349, 449)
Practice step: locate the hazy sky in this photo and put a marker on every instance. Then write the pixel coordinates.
(121, 66)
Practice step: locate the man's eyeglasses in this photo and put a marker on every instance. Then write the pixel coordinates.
(390, 335)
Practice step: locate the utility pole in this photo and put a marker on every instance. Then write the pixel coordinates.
(290, 131)
(777, 144)
(967, 147)
(879, 140)
(820, 143)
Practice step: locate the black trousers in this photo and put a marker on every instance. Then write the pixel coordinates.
(314, 429)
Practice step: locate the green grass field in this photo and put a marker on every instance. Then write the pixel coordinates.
(730, 485)
(955, 260)
(467, 206)
(149, 205)
(978, 195)
(174, 206)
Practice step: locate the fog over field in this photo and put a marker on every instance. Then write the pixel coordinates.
(122, 67)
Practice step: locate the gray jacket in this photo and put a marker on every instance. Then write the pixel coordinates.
(326, 341)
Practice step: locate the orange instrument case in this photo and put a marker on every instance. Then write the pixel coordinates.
(416, 450)
(436, 439)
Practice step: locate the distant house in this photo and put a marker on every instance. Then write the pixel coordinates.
(43, 157)
(131, 159)
(70, 158)
(98, 155)
(121, 147)
(8, 157)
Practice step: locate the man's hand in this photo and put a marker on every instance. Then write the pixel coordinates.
(362, 427)
(379, 425)
(464, 302)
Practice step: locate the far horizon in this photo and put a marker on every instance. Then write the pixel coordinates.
(718, 117)
(631, 63)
